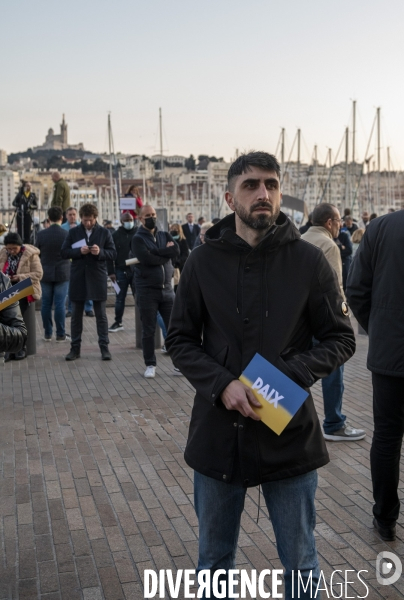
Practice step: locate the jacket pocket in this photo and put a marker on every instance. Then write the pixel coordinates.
(221, 356)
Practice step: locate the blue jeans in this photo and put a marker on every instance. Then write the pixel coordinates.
(162, 326)
(54, 293)
(124, 282)
(333, 390)
(290, 504)
(88, 305)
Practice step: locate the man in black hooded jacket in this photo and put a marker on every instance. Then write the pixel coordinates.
(375, 292)
(153, 275)
(255, 286)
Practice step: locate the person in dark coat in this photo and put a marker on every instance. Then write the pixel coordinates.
(307, 225)
(344, 244)
(118, 271)
(13, 331)
(25, 203)
(56, 275)
(349, 225)
(375, 292)
(256, 287)
(191, 230)
(88, 276)
(155, 251)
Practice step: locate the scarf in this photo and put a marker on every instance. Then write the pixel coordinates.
(13, 260)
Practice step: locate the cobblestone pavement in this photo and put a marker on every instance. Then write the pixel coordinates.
(94, 488)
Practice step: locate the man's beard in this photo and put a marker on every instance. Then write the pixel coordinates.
(261, 220)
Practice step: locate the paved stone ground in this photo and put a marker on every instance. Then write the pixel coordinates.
(94, 488)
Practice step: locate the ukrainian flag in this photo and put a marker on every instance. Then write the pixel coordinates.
(279, 396)
(22, 289)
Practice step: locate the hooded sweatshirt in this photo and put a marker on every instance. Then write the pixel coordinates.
(234, 301)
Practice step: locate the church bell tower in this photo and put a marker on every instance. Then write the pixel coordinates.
(63, 131)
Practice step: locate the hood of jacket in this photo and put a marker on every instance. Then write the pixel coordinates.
(282, 232)
(28, 252)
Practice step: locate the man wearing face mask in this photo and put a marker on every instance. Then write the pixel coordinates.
(118, 272)
(155, 251)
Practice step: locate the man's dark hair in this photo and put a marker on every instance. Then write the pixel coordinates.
(88, 210)
(13, 238)
(215, 220)
(242, 164)
(55, 213)
(347, 212)
(323, 212)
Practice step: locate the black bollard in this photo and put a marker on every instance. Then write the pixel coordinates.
(29, 319)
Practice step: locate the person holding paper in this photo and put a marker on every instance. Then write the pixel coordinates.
(255, 287)
(89, 246)
(133, 192)
(120, 274)
(72, 221)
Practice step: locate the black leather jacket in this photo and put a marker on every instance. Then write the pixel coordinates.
(13, 332)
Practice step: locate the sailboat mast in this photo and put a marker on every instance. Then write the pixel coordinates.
(353, 129)
(388, 177)
(378, 157)
(315, 175)
(161, 157)
(346, 165)
(283, 147)
(330, 176)
(298, 163)
(111, 179)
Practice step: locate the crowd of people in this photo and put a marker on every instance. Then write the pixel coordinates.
(72, 258)
(224, 291)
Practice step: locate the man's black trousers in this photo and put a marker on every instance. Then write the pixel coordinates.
(77, 323)
(149, 302)
(388, 411)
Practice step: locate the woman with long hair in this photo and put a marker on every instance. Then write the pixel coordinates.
(178, 236)
(356, 240)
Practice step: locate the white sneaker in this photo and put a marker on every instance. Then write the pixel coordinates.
(164, 350)
(177, 372)
(150, 372)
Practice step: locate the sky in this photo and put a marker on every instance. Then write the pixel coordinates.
(227, 74)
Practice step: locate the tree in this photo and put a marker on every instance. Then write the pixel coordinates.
(190, 163)
(56, 162)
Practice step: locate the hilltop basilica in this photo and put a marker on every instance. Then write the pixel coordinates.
(54, 141)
